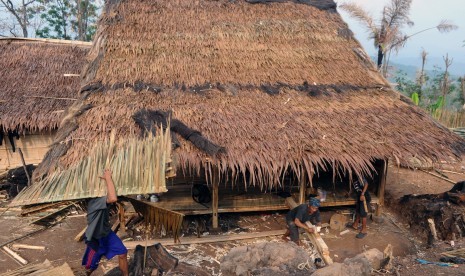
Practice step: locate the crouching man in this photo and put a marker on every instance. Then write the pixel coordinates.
(297, 217)
(100, 239)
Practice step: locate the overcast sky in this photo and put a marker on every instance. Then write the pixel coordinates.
(425, 14)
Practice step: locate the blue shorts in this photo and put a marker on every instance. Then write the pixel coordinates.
(108, 246)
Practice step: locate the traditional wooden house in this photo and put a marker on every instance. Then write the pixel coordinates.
(259, 96)
(38, 80)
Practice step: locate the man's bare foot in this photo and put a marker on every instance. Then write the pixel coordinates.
(285, 238)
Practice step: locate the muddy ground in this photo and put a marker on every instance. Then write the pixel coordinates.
(394, 230)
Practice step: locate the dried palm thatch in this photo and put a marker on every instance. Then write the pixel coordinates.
(159, 219)
(34, 90)
(138, 166)
(280, 85)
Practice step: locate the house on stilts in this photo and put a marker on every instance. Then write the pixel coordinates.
(259, 97)
(39, 79)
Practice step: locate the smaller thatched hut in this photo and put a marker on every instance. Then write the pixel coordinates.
(38, 80)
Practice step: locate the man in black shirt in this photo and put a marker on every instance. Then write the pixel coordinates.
(297, 217)
(100, 239)
(363, 201)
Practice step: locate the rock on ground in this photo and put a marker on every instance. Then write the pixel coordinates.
(362, 264)
(267, 258)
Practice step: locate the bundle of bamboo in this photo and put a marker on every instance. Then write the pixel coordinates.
(138, 166)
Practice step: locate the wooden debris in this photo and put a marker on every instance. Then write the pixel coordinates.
(79, 237)
(315, 237)
(53, 217)
(432, 228)
(15, 255)
(25, 246)
(30, 269)
(344, 232)
(38, 208)
(208, 239)
(63, 270)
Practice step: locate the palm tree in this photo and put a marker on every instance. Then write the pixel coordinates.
(386, 33)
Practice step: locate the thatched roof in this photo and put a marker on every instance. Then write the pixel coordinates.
(32, 76)
(278, 85)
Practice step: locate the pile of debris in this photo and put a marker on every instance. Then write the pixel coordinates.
(437, 216)
(15, 180)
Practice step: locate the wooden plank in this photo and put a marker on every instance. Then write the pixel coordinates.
(208, 239)
(315, 238)
(26, 246)
(215, 185)
(15, 256)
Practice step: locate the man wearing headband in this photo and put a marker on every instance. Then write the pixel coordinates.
(297, 217)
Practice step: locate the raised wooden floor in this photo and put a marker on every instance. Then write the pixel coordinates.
(179, 199)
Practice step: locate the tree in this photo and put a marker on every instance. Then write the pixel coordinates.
(387, 34)
(384, 33)
(68, 19)
(22, 11)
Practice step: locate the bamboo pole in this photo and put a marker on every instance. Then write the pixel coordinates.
(53, 98)
(438, 176)
(15, 255)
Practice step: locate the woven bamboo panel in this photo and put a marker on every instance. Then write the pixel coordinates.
(138, 167)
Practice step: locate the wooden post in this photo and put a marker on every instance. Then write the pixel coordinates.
(382, 187)
(215, 184)
(303, 187)
(24, 166)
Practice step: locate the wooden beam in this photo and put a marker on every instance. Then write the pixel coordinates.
(215, 184)
(382, 187)
(315, 238)
(207, 239)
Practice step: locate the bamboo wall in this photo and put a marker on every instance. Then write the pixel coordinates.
(451, 119)
(34, 147)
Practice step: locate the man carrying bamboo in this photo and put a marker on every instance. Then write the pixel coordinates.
(100, 239)
(297, 217)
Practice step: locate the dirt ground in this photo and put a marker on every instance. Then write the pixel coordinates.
(61, 247)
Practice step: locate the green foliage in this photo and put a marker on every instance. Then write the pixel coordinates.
(64, 19)
(405, 85)
(430, 95)
(415, 98)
